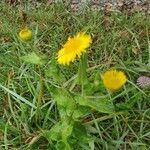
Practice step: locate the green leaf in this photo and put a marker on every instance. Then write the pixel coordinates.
(65, 101)
(80, 133)
(60, 145)
(54, 133)
(61, 131)
(54, 72)
(33, 58)
(95, 85)
(67, 129)
(91, 144)
(80, 111)
(89, 88)
(101, 105)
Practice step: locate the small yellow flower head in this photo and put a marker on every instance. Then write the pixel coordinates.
(73, 48)
(114, 80)
(25, 34)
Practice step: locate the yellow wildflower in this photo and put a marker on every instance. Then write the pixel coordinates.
(25, 34)
(74, 48)
(114, 80)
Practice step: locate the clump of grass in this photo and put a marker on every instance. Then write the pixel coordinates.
(28, 107)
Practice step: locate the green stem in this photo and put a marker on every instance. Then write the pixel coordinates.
(149, 52)
(82, 76)
(40, 95)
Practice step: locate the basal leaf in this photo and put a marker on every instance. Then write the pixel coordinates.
(33, 58)
(54, 133)
(53, 71)
(80, 133)
(80, 111)
(65, 101)
(60, 133)
(101, 105)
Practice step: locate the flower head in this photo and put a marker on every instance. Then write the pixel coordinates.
(25, 34)
(114, 80)
(74, 48)
(143, 81)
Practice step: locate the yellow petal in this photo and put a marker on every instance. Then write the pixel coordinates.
(25, 34)
(114, 80)
(73, 48)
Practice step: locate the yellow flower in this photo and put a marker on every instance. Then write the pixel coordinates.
(25, 34)
(114, 80)
(74, 48)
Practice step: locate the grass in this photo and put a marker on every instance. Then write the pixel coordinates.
(122, 43)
